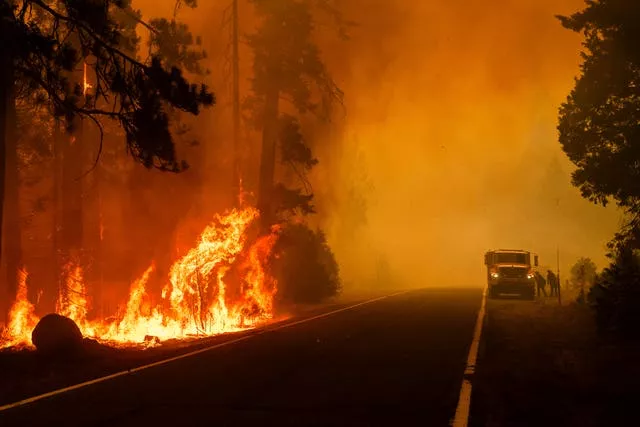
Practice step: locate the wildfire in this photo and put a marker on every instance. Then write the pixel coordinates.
(22, 319)
(201, 296)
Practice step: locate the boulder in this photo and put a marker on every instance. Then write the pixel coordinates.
(56, 335)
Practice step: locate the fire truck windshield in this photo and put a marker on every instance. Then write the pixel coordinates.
(510, 258)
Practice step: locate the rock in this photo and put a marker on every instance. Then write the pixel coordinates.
(56, 335)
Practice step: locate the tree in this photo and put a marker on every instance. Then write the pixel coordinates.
(50, 41)
(287, 66)
(582, 276)
(304, 265)
(600, 134)
(616, 294)
(599, 121)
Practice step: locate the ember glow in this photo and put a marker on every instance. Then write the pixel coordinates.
(196, 300)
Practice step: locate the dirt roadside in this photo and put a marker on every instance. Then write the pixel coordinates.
(541, 364)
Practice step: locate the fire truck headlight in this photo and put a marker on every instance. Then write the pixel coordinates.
(495, 275)
(530, 276)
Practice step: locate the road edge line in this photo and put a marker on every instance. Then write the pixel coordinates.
(192, 353)
(463, 409)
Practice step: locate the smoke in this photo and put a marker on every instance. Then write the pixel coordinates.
(449, 145)
(451, 137)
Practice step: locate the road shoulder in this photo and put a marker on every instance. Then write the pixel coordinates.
(544, 364)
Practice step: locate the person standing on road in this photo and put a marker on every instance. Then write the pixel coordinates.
(541, 283)
(553, 283)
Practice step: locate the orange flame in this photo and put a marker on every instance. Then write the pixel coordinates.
(22, 319)
(85, 82)
(195, 300)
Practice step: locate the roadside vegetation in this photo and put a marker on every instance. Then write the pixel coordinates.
(598, 130)
(541, 364)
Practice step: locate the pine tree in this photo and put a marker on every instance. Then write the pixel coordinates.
(287, 67)
(50, 41)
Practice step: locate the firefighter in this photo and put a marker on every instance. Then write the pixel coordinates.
(541, 283)
(553, 283)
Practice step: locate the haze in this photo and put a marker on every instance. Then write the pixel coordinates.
(449, 144)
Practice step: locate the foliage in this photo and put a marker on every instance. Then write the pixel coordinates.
(51, 42)
(177, 47)
(582, 276)
(304, 265)
(295, 74)
(295, 68)
(599, 132)
(599, 121)
(616, 294)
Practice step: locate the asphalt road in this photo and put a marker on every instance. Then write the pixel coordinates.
(395, 362)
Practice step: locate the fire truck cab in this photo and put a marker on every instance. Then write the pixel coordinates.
(511, 271)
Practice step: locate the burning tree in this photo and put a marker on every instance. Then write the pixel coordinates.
(52, 40)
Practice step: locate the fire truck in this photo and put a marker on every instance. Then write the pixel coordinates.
(511, 271)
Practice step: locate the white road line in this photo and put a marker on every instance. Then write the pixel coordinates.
(193, 353)
(461, 417)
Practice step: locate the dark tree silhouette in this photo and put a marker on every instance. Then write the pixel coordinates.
(49, 41)
(600, 132)
(599, 121)
(287, 67)
(616, 294)
(304, 265)
(582, 277)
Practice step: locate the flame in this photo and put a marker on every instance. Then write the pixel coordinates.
(22, 319)
(72, 298)
(85, 82)
(197, 300)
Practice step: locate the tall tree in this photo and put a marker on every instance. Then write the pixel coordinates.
(598, 125)
(287, 66)
(172, 41)
(50, 41)
(12, 238)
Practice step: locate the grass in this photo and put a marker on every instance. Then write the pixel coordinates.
(542, 364)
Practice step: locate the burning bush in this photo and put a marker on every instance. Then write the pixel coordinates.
(304, 266)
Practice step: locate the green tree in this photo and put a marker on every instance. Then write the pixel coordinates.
(50, 42)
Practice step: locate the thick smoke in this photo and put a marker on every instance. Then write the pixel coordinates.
(451, 137)
(448, 146)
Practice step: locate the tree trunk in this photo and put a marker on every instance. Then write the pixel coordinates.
(6, 88)
(52, 292)
(13, 231)
(268, 158)
(72, 169)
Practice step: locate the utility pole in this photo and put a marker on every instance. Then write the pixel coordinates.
(237, 176)
(559, 283)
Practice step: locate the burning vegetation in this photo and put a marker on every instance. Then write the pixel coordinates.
(200, 298)
(109, 185)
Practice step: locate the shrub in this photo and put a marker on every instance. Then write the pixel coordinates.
(304, 265)
(616, 294)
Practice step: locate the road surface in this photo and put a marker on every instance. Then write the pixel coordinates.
(398, 361)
